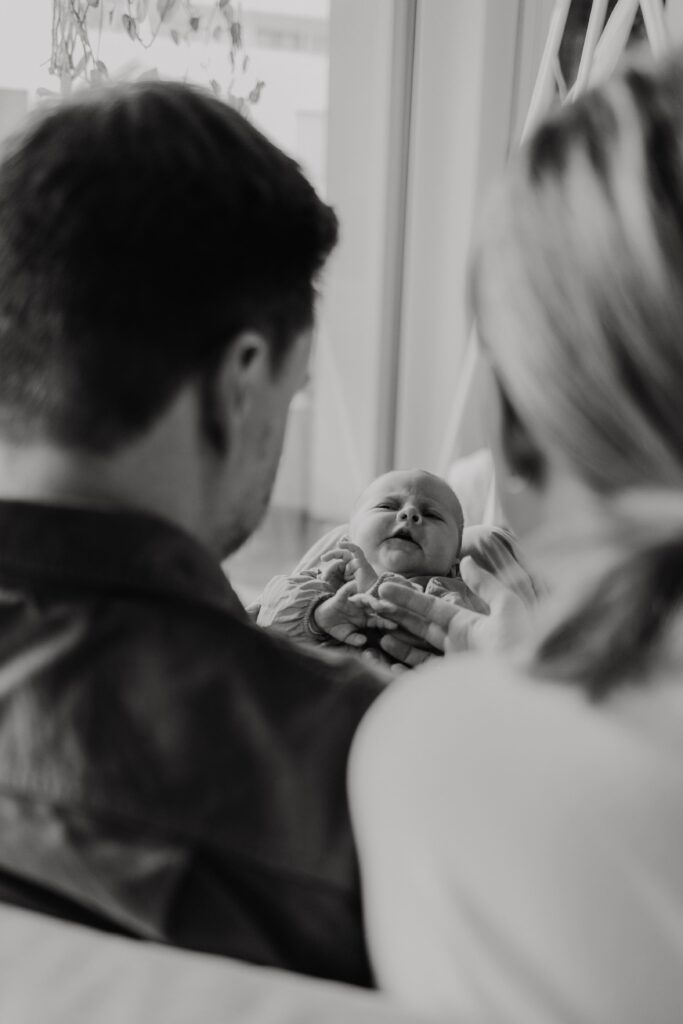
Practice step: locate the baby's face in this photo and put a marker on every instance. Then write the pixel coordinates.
(409, 523)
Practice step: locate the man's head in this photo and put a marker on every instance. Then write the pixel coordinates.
(144, 231)
(408, 522)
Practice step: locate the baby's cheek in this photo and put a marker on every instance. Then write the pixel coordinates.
(444, 557)
(368, 540)
(377, 562)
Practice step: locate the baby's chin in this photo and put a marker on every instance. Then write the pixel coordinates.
(401, 562)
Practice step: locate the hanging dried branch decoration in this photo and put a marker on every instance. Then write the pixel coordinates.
(73, 57)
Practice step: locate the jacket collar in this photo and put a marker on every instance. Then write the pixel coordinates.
(110, 551)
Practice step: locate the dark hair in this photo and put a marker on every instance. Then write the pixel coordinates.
(141, 228)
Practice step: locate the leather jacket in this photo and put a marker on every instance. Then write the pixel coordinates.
(168, 769)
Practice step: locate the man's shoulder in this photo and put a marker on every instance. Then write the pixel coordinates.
(214, 644)
(192, 719)
(271, 659)
(301, 668)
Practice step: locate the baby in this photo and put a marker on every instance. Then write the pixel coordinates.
(406, 526)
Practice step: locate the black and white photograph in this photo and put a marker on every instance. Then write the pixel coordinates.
(341, 511)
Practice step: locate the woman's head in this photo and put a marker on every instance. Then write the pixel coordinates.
(578, 294)
(578, 285)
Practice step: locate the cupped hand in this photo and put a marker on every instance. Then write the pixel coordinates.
(433, 625)
(423, 621)
(347, 614)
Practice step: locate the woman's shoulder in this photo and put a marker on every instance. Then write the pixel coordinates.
(474, 717)
(490, 805)
(435, 726)
(445, 694)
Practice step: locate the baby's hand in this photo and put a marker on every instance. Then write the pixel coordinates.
(346, 614)
(341, 618)
(355, 564)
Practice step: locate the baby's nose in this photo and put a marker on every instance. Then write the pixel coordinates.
(410, 514)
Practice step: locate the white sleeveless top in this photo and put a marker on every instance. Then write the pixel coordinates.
(521, 848)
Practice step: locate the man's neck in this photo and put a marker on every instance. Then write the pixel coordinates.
(157, 474)
(42, 473)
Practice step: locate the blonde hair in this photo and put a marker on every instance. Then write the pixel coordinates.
(577, 286)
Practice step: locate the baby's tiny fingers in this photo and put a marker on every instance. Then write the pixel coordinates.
(336, 554)
(348, 545)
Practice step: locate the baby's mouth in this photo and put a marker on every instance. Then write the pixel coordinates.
(402, 533)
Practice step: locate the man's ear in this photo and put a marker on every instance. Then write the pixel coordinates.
(521, 453)
(230, 385)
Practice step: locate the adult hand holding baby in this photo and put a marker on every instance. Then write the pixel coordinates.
(428, 622)
(408, 526)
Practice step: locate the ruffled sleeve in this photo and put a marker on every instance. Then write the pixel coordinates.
(288, 602)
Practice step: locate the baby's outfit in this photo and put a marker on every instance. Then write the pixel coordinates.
(288, 603)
